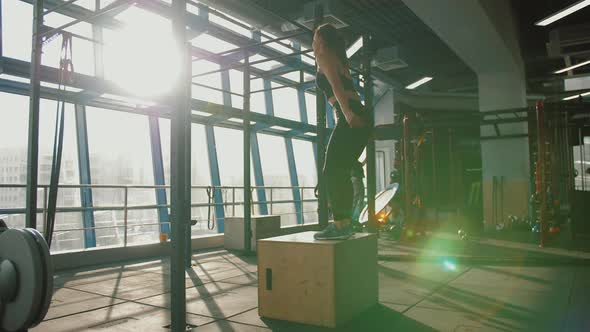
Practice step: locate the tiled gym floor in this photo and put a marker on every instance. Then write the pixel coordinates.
(414, 296)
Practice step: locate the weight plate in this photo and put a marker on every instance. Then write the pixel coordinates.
(48, 276)
(381, 200)
(20, 248)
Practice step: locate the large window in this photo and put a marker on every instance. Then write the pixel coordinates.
(16, 36)
(212, 80)
(13, 153)
(276, 174)
(200, 175)
(120, 154)
(230, 155)
(142, 58)
(17, 25)
(82, 50)
(286, 103)
(67, 235)
(310, 104)
(257, 100)
(307, 176)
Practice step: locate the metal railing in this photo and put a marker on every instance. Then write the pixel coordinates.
(126, 207)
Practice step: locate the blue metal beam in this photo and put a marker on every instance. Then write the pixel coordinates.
(302, 105)
(268, 98)
(330, 116)
(258, 176)
(159, 180)
(294, 179)
(307, 85)
(215, 178)
(84, 166)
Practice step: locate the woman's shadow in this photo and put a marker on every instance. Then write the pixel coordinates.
(378, 318)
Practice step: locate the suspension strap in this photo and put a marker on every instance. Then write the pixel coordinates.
(65, 77)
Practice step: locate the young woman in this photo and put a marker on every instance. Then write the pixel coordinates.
(349, 138)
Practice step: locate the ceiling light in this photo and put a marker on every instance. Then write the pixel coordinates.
(572, 67)
(354, 47)
(418, 83)
(563, 13)
(577, 96)
(280, 128)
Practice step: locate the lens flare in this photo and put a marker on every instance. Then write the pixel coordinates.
(449, 265)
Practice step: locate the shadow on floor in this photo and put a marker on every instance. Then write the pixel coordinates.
(379, 318)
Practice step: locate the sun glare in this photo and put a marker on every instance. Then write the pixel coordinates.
(142, 58)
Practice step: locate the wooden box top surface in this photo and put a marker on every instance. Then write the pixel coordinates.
(307, 237)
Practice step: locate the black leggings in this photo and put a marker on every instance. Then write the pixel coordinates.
(344, 148)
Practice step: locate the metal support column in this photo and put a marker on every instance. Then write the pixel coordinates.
(330, 121)
(371, 172)
(215, 178)
(85, 179)
(246, 141)
(302, 105)
(34, 100)
(258, 176)
(98, 47)
(180, 171)
(321, 138)
(294, 180)
(268, 97)
(159, 179)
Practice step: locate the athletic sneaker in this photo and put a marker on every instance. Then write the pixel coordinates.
(333, 233)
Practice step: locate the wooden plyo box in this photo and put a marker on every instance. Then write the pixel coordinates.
(261, 226)
(322, 283)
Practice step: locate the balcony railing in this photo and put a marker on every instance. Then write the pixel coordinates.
(230, 200)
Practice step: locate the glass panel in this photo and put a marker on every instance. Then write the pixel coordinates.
(308, 60)
(267, 65)
(212, 44)
(213, 80)
(257, 100)
(276, 174)
(88, 4)
(130, 53)
(13, 154)
(276, 45)
(307, 176)
(16, 34)
(231, 26)
(293, 76)
(230, 155)
(69, 172)
(236, 79)
(286, 103)
(310, 104)
(120, 154)
(581, 155)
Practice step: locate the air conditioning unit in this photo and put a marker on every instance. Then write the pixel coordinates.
(388, 59)
(308, 18)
